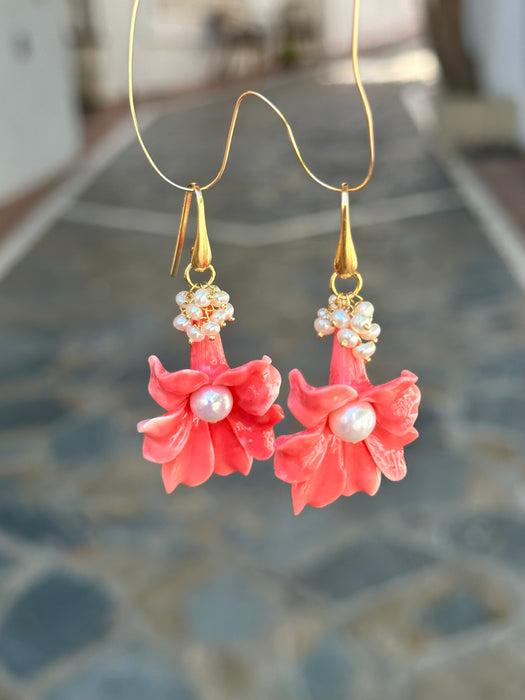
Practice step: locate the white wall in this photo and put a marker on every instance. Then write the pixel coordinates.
(494, 32)
(39, 125)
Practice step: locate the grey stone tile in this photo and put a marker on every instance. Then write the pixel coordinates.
(328, 671)
(57, 616)
(229, 610)
(133, 674)
(498, 535)
(40, 411)
(363, 565)
(458, 611)
(89, 440)
(44, 526)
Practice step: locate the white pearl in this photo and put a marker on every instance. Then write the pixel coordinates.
(212, 403)
(181, 298)
(366, 308)
(364, 351)
(353, 422)
(194, 334)
(323, 326)
(194, 312)
(332, 299)
(323, 313)
(218, 316)
(221, 297)
(211, 328)
(340, 318)
(360, 323)
(181, 323)
(202, 297)
(347, 338)
(229, 311)
(373, 333)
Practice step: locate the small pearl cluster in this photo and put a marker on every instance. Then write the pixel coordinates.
(203, 311)
(353, 323)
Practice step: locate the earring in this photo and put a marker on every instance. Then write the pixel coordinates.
(355, 431)
(218, 419)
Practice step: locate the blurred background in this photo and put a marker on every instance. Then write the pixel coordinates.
(109, 588)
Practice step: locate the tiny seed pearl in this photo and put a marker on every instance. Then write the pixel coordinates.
(364, 351)
(340, 318)
(222, 297)
(194, 312)
(181, 322)
(347, 338)
(229, 311)
(194, 334)
(373, 332)
(323, 326)
(366, 308)
(210, 328)
(202, 297)
(360, 323)
(180, 298)
(218, 316)
(323, 313)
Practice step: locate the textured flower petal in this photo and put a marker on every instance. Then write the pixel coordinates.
(311, 405)
(396, 402)
(387, 451)
(298, 455)
(194, 464)
(165, 436)
(230, 455)
(255, 385)
(255, 433)
(361, 470)
(326, 483)
(171, 389)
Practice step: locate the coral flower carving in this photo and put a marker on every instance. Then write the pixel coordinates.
(218, 419)
(355, 432)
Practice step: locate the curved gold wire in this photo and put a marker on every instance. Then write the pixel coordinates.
(359, 84)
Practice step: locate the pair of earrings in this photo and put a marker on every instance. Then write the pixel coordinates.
(219, 419)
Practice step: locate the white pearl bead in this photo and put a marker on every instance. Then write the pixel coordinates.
(212, 403)
(323, 326)
(323, 313)
(202, 297)
(360, 324)
(373, 333)
(340, 318)
(366, 308)
(181, 323)
(211, 328)
(364, 351)
(181, 298)
(229, 311)
(354, 422)
(194, 334)
(332, 299)
(194, 312)
(218, 316)
(347, 338)
(221, 297)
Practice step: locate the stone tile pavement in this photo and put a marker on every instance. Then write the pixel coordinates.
(111, 589)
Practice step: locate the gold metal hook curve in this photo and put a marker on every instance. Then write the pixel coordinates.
(345, 262)
(359, 84)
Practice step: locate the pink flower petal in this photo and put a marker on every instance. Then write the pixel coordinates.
(165, 436)
(298, 455)
(326, 483)
(396, 402)
(230, 455)
(194, 464)
(387, 452)
(255, 433)
(255, 385)
(311, 405)
(362, 473)
(171, 389)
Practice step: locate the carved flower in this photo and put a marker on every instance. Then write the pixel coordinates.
(218, 419)
(354, 432)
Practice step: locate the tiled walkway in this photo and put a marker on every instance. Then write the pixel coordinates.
(111, 589)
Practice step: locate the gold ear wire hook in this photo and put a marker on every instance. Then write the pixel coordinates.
(360, 88)
(182, 232)
(345, 262)
(201, 251)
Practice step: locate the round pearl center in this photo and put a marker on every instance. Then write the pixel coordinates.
(353, 422)
(211, 403)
